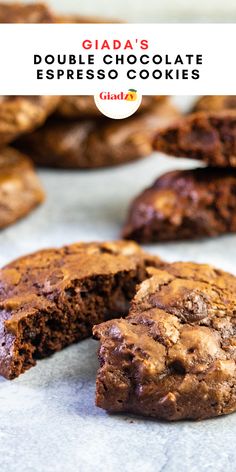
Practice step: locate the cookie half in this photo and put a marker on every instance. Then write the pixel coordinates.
(52, 298)
(20, 189)
(173, 357)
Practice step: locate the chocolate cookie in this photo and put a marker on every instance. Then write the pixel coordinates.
(210, 137)
(52, 298)
(186, 204)
(215, 103)
(74, 107)
(25, 13)
(96, 143)
(20, 189)
(19, 114)
(174, 356)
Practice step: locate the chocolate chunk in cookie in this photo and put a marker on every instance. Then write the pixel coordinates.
(174, 356)
(215, 103)
(186, 204)
(20, 189)
(52, 298)
(96, 143)
(22, 114)
(210, 137)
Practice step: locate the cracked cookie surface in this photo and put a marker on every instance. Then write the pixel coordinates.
(174, 356)
(186, 204)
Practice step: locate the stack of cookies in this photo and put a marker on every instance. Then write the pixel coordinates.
(64, 132)
(193, 203)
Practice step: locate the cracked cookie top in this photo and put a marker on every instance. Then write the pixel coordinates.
(174, 356)
(35, 280)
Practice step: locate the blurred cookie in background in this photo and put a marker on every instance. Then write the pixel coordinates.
(215, 103)
(72, 107)
(22, 114)
(206, 136)
(20, 189)
(25, 13)
(96, 143)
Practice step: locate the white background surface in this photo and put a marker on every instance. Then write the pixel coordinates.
(48, 421)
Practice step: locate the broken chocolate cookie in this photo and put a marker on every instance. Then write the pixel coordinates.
(174, 356)
(52, 298)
